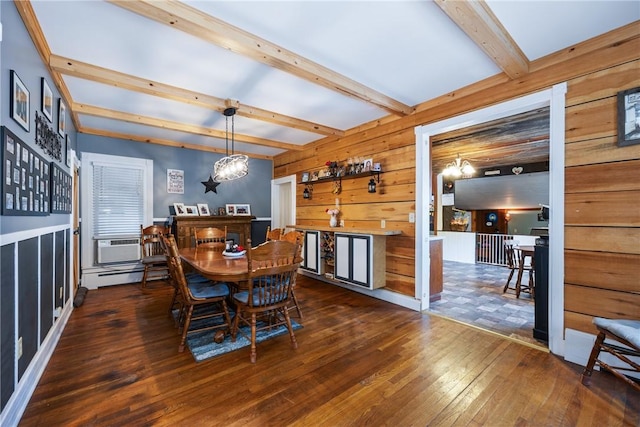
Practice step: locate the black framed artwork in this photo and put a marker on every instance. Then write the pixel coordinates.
(61, 186)
(20, 109)
(629, 117)
(25, 178)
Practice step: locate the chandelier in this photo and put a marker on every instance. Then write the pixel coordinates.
(458, 168)
(232, 166)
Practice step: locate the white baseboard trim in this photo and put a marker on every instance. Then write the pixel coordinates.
(95, 278)
(26, 386)
(382, 294)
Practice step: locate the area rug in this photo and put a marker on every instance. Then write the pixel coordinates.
(203, 347)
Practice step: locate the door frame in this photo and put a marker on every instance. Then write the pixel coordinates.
(278, 205)
(553, 98)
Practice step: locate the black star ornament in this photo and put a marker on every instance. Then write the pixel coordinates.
(210, 185)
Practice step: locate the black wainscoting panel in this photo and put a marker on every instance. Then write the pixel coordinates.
(47, 285)
(7, 317)
(27, 301)
(67, 272)
(61, 270)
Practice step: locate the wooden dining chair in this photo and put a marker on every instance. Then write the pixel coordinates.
(272, 270)
(516, 261)
(627, 334)
(210, 238)
(209, 297)
(152, 251)
(296, 237)
(273, 234)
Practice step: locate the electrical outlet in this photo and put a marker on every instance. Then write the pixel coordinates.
(61, 292)
(383, 223)
(19, 347)
(342, 223)
(412, 217)
(57, 312)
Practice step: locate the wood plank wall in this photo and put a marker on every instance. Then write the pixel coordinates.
(602, 202)
(601, 255)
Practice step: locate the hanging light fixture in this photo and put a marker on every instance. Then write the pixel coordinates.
(232, 166)
(458, 168)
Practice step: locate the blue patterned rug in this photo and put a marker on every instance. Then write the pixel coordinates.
(203, 347)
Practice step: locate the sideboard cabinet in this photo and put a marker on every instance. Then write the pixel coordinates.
(182, 227)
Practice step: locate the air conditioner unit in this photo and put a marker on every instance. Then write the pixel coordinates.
(118, 250)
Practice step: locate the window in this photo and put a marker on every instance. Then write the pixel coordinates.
(118, 200)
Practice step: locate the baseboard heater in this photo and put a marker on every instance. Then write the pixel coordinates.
(118, 250)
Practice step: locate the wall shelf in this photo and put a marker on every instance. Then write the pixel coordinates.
(367, 174)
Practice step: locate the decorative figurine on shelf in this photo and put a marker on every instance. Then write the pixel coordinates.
(333, 221)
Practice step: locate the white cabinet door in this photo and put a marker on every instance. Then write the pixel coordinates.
(342, 257)
(360, 260)
(311, 251)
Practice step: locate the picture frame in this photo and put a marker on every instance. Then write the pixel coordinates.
(68, 151)
(367, 165)
(203, 209)
(231, 209)
(305, 176)
(20, 106)
(222, 211)
(629, 117)
(179, 208)
(243, 210)
(191, 210)
(46, 104)
(62, 118)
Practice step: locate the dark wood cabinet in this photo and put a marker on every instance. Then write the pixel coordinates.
(239, 225)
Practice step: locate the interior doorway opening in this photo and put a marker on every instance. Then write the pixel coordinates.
(553, 98)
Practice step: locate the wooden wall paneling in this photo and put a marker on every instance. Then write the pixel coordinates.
(404, 266)
(603, 84)
(624, 240)
(594, 70)
(47, 284)
(599, 150)
(618, 176)
(594, 119)
(27, 301)
(401, 245)
(613, 209)
(602, 302)
(402, 284)
(619, 272)
(580, 322)
(7, 320)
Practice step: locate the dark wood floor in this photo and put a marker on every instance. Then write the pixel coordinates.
(360, 361)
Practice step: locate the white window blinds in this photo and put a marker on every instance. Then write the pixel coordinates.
(118, 200)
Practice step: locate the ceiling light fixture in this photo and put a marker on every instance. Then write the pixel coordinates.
(459, 168)
(232, 166)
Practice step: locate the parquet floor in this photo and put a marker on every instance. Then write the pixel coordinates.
(360, 361)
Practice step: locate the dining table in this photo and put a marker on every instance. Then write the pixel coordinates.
(216, 266)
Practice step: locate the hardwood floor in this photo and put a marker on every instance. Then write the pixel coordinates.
(360, 361)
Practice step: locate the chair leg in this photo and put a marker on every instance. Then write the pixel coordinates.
(508, 281)
(295, 302)
(294, 343)
(144, 276)
(253, 354)
(595, 351)
(185, 329)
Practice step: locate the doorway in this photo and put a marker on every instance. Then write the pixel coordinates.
(553, 98)
(283, 201)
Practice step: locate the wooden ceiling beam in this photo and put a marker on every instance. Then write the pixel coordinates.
(476, 19)
(106, 76)
(166, 142)
(192, 21)
(180, 127)
(28, 15)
